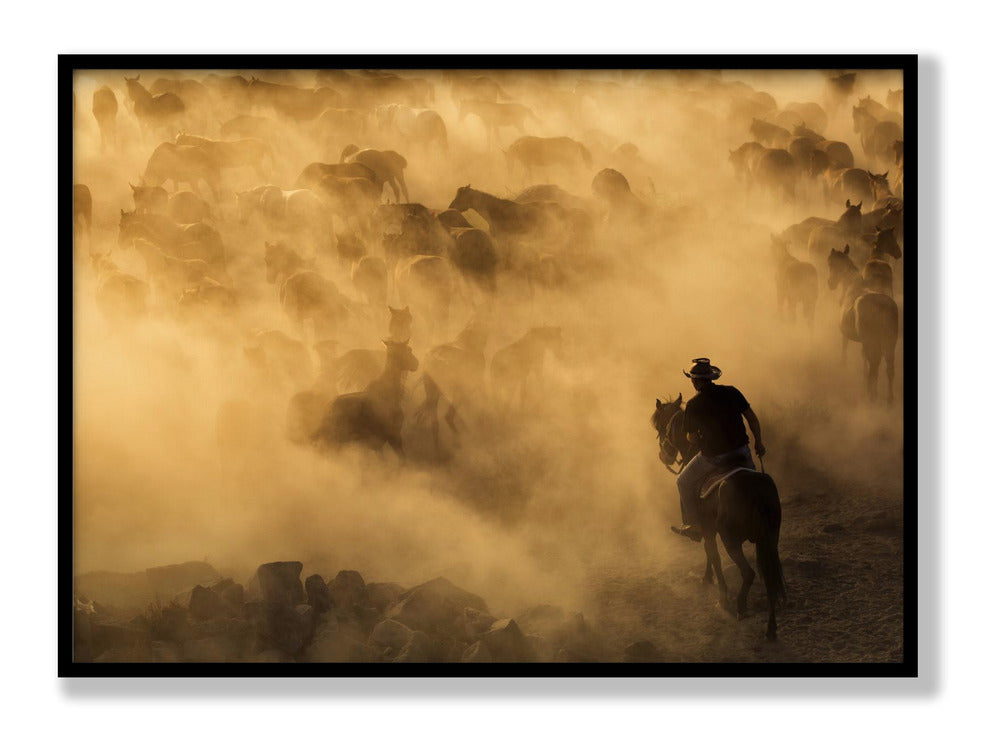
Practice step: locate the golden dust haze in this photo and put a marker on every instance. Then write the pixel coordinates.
(535, 503)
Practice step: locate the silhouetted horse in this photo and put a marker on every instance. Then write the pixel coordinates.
(373, 417)
(796, 280)
(743, 507)
(154, 111)
(869, 317)
(512, 366)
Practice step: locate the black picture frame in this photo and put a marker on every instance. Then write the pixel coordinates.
(68, 63)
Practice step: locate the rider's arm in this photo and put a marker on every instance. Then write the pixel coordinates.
(754, 424)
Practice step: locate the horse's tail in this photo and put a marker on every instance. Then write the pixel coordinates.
(768, 529)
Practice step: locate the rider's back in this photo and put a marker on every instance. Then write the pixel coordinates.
(716, 412)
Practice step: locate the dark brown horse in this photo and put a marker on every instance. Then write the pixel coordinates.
(744, 507)
(870, 318)
(373, 417)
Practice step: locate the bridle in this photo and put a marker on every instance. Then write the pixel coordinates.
(665, 443)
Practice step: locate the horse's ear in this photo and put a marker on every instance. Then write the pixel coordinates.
(406, 309)
(680, 396)
(385, 343)
(658, 403)
(123, 213)
(847, 248)
(134, 188)
(886, 173)
(848, 204)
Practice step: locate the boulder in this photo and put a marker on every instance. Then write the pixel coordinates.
(118, 641)
(643, 652)
(391, 633)
(435, 606)
(544, 620)
(471, 624)
(506, 642)
(477, 653)
(382, 595)
(170, 623)
(165, 652)
(206, 603)
(280, 625)
(166, 581)
(541, 648)
(278, 582)
(338, 642)
(347, 591)
(417, 650)
(233, 596)
(125, 591)
(318, 594)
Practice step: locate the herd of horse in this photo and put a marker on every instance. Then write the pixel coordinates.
(372, 287)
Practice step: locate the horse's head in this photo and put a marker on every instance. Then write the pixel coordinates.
(276, 258)
(463, 199)
(125, 223)
(818, 163)
(880, 184)
(779, 247)
(840, 265)
(399, 356)
(672, 442)
(885, 242)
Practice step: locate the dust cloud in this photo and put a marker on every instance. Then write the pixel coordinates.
(180, 444)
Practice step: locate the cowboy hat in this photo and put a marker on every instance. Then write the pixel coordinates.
(703, 369)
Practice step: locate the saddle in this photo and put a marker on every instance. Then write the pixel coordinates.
(714, 480)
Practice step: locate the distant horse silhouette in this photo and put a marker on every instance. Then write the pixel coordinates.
(154, 111)
(513, 366)
(796, 281)
(871, 318)
(744, 507)
(105, 109)
(373, 417)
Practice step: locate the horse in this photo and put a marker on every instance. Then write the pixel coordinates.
(512, 366)
(496, 115)
(388, 167)
(83, 208)
(532, 152)
(190, 241)
(154, 111)
(179, 163)
(870, 318)
(797, 282)
(744, 507)
(245, 152)
(374, 416)
(877, 271)
(105, 110)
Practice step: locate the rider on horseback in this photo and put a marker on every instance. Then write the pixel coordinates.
(714, 421)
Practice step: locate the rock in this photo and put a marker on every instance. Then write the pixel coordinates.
(417, 650)
(117, 641)
(271, 656)
(166, 581)
(170, 623)
(541, 648)
(233, 596)
(477, 653)
(126, 591)
(471, 624)
(382, 595)
(391, 633)
(434, 606)
(642, 652)
(278, 582)
(347, 591)
(214, 649)
(165, 652)
(206, 603)
(544, 620)
(336, 642)
(279, 625)
(506, 642)
(318, 594)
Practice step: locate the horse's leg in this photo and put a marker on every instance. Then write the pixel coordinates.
(735, 550)
(707, 579)
(715, 562)
(873, 359)
(890, 367)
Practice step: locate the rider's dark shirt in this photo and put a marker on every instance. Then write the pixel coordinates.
(717, 413)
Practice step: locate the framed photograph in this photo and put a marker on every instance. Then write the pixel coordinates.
(487, 365)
